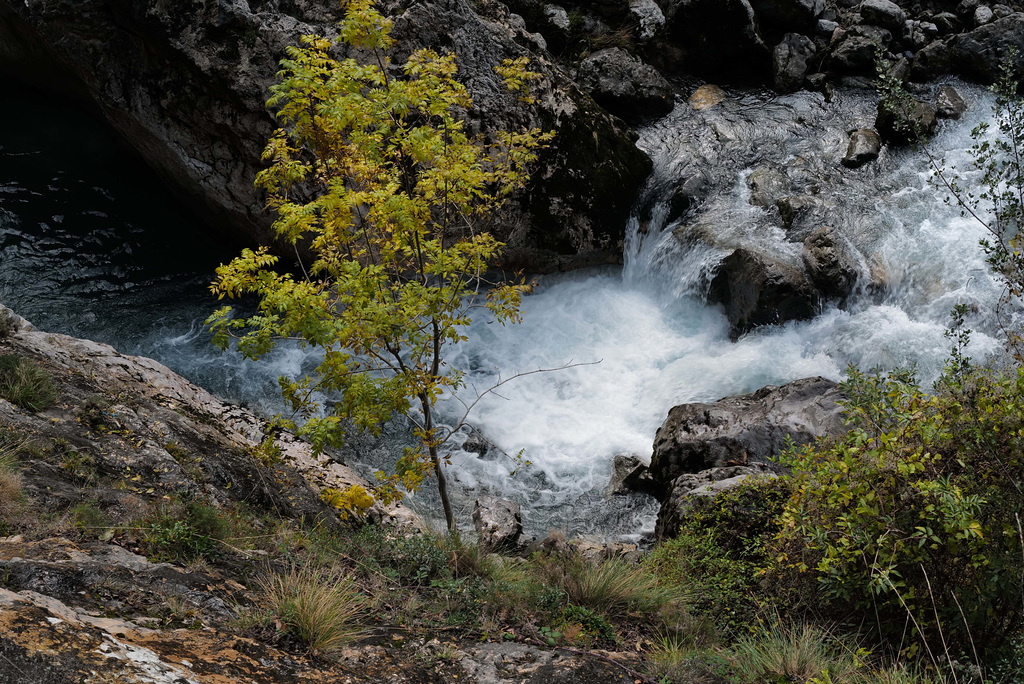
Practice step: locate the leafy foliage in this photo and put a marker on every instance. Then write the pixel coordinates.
(914, 516)
(376, 175)
(722, 549)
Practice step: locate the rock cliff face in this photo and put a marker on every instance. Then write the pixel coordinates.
(86, 595)
(185, 84)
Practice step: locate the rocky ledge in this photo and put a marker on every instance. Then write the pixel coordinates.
(85, 596)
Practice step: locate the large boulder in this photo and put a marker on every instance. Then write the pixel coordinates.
(625, 86)
(757, 290)
(498, 523)
(186, 84)
(790, 61)
(745, 429)
(977, 54)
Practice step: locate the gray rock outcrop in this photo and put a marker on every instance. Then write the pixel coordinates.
(498, 523)
(745, 429)
(624, 85)
(687, 489)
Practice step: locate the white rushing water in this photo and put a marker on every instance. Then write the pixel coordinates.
(643, 337)
(651, 342)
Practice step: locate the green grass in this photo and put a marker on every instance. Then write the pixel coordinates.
(796, 653)
(612, 586)
(25, 384)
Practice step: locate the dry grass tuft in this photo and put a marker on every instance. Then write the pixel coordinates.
(320, 610)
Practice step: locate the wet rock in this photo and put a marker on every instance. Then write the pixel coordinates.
(949, 103)
(865, 144)
(766, 186)
(706, 96)
(745, 429)
(686, 489)
(757, 290)
(982, 15)
(790, 60)
(883, 13)
(802, 214)
(977, 54)
(687, 194)
(476, 443)
(830, 264)
(712, 39)
(498, 523)
(788, 15)
(630, 474)
(906, 124)
(854, 51)
(625, 86)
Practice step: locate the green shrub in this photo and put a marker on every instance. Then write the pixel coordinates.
(914, 516)
(722, 548)
(186, 532)
(591, 624)
(25, 384)
(89, 519)
(320, 610)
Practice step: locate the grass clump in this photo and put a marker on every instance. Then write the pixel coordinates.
(610, 586)
(796, 653)
(25, 384)
(320, 610)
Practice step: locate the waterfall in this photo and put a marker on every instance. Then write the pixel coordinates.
(83, 252)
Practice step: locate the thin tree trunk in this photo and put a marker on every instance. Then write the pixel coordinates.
(442, 489)
(442, 484)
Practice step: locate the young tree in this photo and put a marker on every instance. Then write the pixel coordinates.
(374, 174)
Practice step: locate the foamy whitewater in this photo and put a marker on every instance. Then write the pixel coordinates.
(638, 340)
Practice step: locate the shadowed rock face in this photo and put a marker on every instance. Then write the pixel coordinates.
(976, 54)
(745, 429)
(185, 83)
